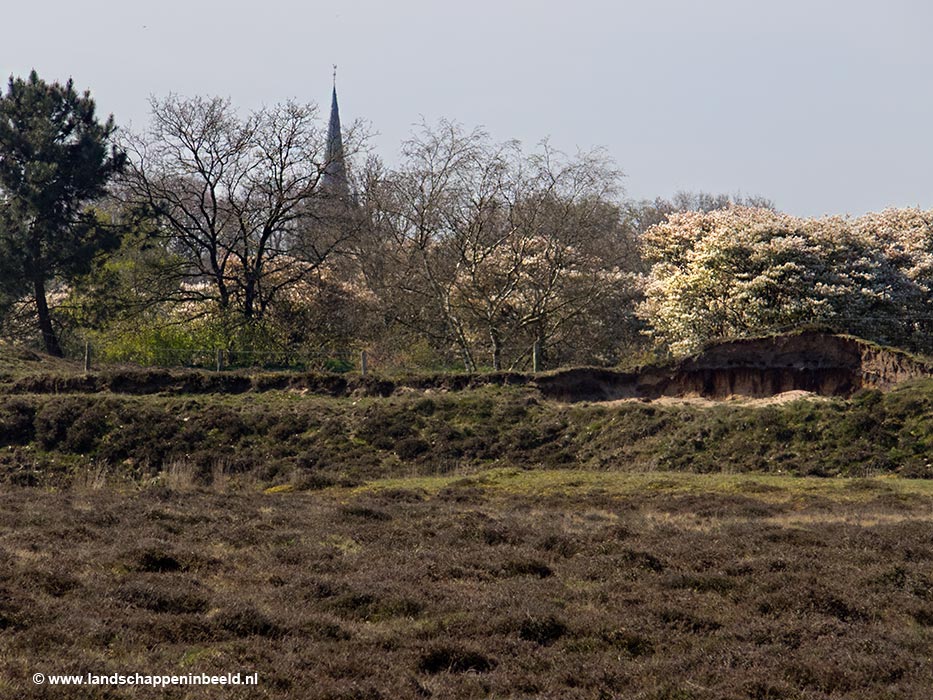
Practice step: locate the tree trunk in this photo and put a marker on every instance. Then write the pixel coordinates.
(541, 348)
(249, 298)
(468, 363)
(49, 339)
(454, 324)
(496, 349)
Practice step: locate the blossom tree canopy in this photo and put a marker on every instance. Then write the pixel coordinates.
(745, 270)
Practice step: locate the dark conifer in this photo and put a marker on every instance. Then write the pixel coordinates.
(56, 157)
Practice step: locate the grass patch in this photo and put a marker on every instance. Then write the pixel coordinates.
(580, 483)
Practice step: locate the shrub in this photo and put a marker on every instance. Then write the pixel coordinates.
(53, 420)
(16, 422)
(155, 559)
(365, 513)
(526, 567)
(542, 630)
(632, 644)
(455, 660)
(174, 598)
(246, 621)
(410, 448)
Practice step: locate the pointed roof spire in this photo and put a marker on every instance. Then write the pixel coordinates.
(335, 170)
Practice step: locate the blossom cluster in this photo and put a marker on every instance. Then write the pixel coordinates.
(741, 270)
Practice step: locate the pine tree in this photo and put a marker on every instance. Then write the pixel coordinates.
(56, 157)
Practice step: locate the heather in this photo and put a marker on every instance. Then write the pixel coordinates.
(512, 583)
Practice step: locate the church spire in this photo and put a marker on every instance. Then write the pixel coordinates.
(335, 169)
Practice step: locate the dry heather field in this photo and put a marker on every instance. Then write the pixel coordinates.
(383, 542)
(506, 584)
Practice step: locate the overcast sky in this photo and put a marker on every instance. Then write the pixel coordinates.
(825, 107)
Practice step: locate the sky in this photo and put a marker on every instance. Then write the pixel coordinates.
(825, 107)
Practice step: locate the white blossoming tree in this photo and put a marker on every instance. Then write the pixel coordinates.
(742, 270)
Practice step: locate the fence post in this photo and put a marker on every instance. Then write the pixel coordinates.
(220, 360)
(536, 357)
(87, 356)
(364, 363)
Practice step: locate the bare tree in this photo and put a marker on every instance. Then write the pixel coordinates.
(639, 216)
(581, 255)
(239, 200)
(414, 208)
(494, 249)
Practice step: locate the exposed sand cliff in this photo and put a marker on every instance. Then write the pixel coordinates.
(820, 363)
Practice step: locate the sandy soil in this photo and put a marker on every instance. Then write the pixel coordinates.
(777, 399)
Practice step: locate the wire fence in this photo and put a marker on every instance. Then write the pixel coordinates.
(339, 360)
(914, 334)
(329, 360)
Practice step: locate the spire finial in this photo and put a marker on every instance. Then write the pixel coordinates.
(335, 172)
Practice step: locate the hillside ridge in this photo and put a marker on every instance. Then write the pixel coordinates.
(813, 361)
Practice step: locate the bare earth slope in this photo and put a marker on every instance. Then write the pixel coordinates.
(821, 363)
(810, 361)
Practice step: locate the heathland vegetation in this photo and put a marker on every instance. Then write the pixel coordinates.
(310, 431)
(506, 584)
(443, 537)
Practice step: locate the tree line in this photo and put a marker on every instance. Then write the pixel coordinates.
(215, 229)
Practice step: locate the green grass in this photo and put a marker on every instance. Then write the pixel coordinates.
(572, 483)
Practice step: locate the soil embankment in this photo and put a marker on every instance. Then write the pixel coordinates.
(814, 362)
(820, 363)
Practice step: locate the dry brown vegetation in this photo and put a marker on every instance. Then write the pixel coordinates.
(528, 584)
(460, 541)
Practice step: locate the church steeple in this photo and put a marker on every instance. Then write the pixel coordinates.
(335, 169)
